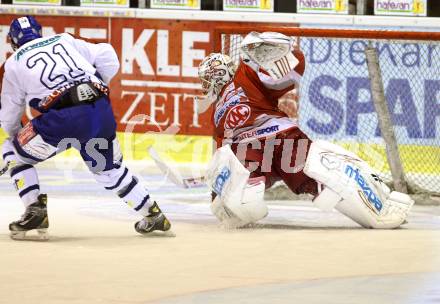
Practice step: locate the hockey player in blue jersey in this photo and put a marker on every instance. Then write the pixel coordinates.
(66, 80)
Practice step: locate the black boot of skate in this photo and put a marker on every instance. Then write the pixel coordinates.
(34, 218)
(155, 223)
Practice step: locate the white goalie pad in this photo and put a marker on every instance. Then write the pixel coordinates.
(271, 51)
(353, 188)
(239, 201)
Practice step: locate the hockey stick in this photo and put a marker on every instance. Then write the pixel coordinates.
(173, 175)
(4, 169)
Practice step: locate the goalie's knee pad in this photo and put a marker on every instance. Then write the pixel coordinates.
(239, 200)
(354, 189)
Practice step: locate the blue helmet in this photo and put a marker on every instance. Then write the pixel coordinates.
(24, 29)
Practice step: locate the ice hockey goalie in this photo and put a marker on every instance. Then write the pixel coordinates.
(260, 144)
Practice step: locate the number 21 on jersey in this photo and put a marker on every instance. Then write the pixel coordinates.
(55, 67)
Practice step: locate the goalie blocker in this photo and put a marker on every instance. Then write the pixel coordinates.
(350, 186)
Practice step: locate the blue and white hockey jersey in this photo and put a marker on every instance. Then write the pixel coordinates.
(43, 65)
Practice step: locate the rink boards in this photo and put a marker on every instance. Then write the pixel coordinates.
(198, 150)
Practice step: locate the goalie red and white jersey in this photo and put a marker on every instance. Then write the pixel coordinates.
(247, 107)
(46, 64)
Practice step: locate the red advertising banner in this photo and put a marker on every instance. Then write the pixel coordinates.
(158, 74)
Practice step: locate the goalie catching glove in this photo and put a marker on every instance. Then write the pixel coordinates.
(271, 51)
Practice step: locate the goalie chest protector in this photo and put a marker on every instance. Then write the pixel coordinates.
(245, 104)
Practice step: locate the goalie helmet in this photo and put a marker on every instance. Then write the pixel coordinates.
(215, 71)
(23, 30)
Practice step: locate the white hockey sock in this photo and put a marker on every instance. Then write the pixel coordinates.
(25, 179)
(126, 186)
(136, 196)
(24, 176)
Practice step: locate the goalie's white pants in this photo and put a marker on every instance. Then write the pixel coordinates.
(117, 179)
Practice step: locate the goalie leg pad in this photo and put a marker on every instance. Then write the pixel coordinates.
(395, 212)
(251, 209)
(239, 200)
(226, 217)
(364, 197)
(327, 200)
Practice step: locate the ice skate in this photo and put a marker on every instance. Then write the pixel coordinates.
(154, 224)
(34, 218)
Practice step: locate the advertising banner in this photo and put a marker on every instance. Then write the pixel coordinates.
(106, 3)
(336, 99)
(322, 6)
(157, 84)
(159, 74)
(37, 2)
(156, 88)
(400, 7)
(176, 4)
(248, 5)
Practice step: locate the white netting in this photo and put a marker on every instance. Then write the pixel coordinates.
(336, 104)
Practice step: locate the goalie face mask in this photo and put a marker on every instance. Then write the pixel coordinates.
(215, 71)
(23, 30)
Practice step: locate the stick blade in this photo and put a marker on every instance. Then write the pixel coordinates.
(172, 174)
(194, 182)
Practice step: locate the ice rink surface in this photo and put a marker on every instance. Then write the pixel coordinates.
(298, 254)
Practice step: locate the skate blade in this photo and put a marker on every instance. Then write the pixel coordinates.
(158, 233)
(37, 235)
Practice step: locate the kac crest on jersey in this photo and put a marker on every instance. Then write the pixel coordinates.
(237, 116)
